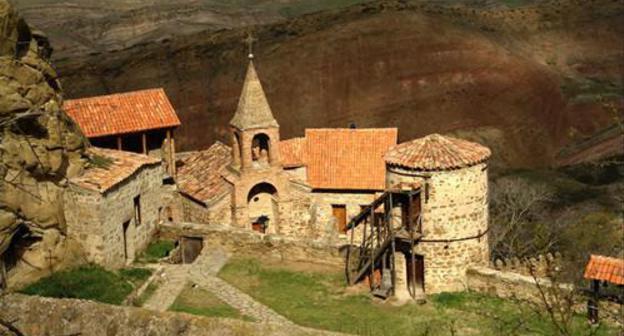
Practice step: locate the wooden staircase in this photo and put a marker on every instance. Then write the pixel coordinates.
(373, 254)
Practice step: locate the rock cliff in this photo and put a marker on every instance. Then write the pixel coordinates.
(40, 148)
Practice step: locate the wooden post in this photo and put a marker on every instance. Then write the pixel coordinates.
(144, 141)
(373, 249)
(171, 169)
(119, 143)
(592, 302)
(392, 265)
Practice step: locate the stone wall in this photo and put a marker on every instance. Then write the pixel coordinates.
(248, 242)
(454, 206)
(97, 220)
(512, 285)
(36, 316)
(353, 202)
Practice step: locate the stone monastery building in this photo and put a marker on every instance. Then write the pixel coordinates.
(409, 217)
(333, 182)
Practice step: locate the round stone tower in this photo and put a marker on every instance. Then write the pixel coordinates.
(452, 174)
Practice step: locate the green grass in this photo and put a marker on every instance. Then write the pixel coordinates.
(157, 250)
(149, 291)
(89, 282)
(198, 301)
(320, 300)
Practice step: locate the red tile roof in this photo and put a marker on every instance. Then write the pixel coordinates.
(292, 152)
(437, 152)
(201, 174)
(122, 112)
(115, 167)
(605, 269)
(348, 158)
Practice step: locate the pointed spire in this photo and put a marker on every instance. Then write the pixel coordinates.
(253, 110)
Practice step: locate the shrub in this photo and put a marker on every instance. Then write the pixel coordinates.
(90, 282)
(157, 250)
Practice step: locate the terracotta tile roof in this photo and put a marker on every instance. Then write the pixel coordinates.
(119, 166)
(437, 152)
(605, 269)
(348, 158)
(122, 112)
(293, 152)
(200, 175)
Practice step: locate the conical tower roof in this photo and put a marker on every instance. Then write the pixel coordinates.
(253, 110)
(437, 152)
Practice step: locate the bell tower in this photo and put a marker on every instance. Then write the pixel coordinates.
(260, 183)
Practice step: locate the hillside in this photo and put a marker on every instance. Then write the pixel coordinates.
(525, 77)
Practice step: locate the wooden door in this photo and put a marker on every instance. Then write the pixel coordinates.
(415, 273)
(126, 225)
(191, 247)
(340, 213)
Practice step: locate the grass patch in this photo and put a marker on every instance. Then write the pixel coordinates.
(149, 291)
(198, 301)
(90, 282)
(157, 250)
(320, 300)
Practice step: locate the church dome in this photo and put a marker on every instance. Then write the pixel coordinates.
(436, 152)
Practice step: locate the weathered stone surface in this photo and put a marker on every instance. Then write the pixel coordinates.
(40, 147)
(38, 316)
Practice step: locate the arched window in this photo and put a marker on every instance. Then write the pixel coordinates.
(260, 148)
(262, 203)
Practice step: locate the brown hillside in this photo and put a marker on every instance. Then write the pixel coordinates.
(523, 80)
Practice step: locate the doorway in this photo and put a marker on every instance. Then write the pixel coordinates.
(126, 225)
(191, 247)
(415, 274)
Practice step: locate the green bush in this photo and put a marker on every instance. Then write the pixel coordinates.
(136, 275)
(90, 282)
(157, 250)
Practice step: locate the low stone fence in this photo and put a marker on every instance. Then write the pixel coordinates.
(37, 316)
(539, 266)
(247, 242)
(505, 284)
(511, 285)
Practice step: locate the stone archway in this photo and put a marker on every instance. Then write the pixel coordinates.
(262, 203)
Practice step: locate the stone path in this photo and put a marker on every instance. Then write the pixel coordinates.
(204, 274)
(173, 280)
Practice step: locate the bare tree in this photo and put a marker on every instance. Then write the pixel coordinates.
(518, 219)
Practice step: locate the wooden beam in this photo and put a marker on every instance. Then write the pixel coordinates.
(119, 143)
(144, 141)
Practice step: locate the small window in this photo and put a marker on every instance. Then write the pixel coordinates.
(137, 210)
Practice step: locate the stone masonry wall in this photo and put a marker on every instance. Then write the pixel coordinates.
(454, 207)
(248, 242)
(97, 220)
(353, 202)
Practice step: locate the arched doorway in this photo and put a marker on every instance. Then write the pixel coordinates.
(260, 151)
(262, 205)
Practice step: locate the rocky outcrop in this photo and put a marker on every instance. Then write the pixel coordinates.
(40, 148)
(43, 316)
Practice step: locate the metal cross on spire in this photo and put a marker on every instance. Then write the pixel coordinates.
(250, 41)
